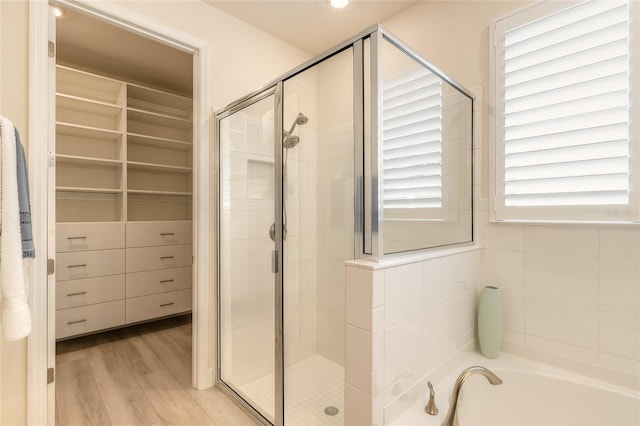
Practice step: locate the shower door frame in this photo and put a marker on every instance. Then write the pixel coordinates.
(275, 87)
(276, 260)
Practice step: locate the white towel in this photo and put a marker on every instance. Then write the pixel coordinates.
(16, 317)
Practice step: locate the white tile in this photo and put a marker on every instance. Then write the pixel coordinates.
(436, 333)
(377, 397)
(243, 283)
(377, 338)
(337, 325)
(377, 288)
(570, 240)
(462, 314)
(513, 310)
(619, 332)
(513, 337)
(403, 292)
(358, 359)
(498, 235)
(569, 277)
(357, 407)
(465, 271)
(503, 269)
(574, 323)
(619, 363)
(437, 281)
(561, 349)
(623, 243)
(358, 298)
(619, 282)
(402, 351)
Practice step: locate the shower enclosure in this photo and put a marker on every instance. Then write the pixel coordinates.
(298, 194)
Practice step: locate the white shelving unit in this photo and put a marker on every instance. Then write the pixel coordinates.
(123, 166)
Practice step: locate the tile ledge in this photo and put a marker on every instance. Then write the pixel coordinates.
(405, 259)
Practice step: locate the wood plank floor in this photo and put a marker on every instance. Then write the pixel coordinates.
(137, 376)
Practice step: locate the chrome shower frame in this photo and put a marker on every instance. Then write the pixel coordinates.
(368, 221)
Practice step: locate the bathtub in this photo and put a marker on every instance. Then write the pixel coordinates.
(531, 394)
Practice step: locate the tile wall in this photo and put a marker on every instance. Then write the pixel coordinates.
(405, 317)
(571, 291)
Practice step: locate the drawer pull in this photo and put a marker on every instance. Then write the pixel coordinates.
(166, 304)
(76, 238)
(77, 266)
(77, 294)
(166, 281)
(77, 322)
(166, 234)
(166, 257)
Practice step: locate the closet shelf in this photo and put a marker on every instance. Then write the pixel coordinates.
(91, 190)
(154, 118)
(90, 161)
(161, 167)
(71, 81)
(137, 139)
(86, 131)
(88, 106)
(148, 192)
(144, 94)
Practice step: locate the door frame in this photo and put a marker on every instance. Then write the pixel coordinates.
(41, 341)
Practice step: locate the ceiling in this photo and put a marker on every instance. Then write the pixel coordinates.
(93, 45)
(311, 25)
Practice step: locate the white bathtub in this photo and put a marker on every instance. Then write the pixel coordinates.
(531, 394)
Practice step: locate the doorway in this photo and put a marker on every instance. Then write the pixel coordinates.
(41, 402)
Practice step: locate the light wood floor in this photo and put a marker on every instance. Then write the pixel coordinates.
(137, 376)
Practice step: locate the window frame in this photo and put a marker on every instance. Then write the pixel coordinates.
(628, 214)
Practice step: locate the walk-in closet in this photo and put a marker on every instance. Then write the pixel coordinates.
(123, 221)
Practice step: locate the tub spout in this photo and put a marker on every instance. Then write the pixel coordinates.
(452, 416)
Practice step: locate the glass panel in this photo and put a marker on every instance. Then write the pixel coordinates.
(247, 283)
(426, 156)
(318, 169)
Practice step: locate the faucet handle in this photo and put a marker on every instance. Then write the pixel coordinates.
(431, 408)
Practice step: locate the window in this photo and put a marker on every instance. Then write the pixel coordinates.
(565, 113)
(412, 147)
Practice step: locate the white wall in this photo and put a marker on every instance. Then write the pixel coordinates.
(14, 71)
(241, 58)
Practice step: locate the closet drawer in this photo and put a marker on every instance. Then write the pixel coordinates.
(147, 234)
(85, 319)
(158, 305)
(87, 264)
(89, 291)
(162, 281)
(152, 258)
(89, 236)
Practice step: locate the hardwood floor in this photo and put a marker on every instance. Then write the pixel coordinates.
(137, 376)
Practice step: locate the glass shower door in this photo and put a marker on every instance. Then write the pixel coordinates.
(247, 190)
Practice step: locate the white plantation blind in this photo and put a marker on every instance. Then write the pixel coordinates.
(564, 84)
(412, 140)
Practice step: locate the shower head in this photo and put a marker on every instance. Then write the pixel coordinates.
(301, 119)
(290, 140)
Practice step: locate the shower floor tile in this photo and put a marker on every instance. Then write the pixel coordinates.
(311, 385)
